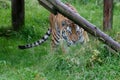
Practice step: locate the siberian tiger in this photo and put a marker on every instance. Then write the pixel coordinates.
(62, 29)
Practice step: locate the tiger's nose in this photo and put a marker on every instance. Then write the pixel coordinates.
(73, 41)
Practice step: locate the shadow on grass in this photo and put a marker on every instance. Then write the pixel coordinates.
(6, 31)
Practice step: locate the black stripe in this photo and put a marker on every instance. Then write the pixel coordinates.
(44, 39)
(38, 42)
(35, 43)
(56, 39)
(48, 34)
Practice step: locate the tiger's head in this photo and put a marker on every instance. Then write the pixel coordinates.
(71, 32)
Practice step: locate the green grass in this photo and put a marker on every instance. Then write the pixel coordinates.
(88, 62)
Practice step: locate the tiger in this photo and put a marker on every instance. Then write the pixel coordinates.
(61, 29)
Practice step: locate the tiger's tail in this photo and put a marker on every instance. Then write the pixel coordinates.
(36, 43)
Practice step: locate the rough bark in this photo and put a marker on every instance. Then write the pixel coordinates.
(48, 6)
(17, 14)
(108, 15)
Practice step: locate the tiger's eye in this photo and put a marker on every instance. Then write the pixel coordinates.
(69, 30)
(63, 23)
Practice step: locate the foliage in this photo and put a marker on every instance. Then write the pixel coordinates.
(4, 4)
(91, 61)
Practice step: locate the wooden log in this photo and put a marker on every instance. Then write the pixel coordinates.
(108, 15)
(17, 14)
(48, 6)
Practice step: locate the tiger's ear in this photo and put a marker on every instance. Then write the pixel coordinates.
(65, 22)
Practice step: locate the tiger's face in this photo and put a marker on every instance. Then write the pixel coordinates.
(71, 32)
